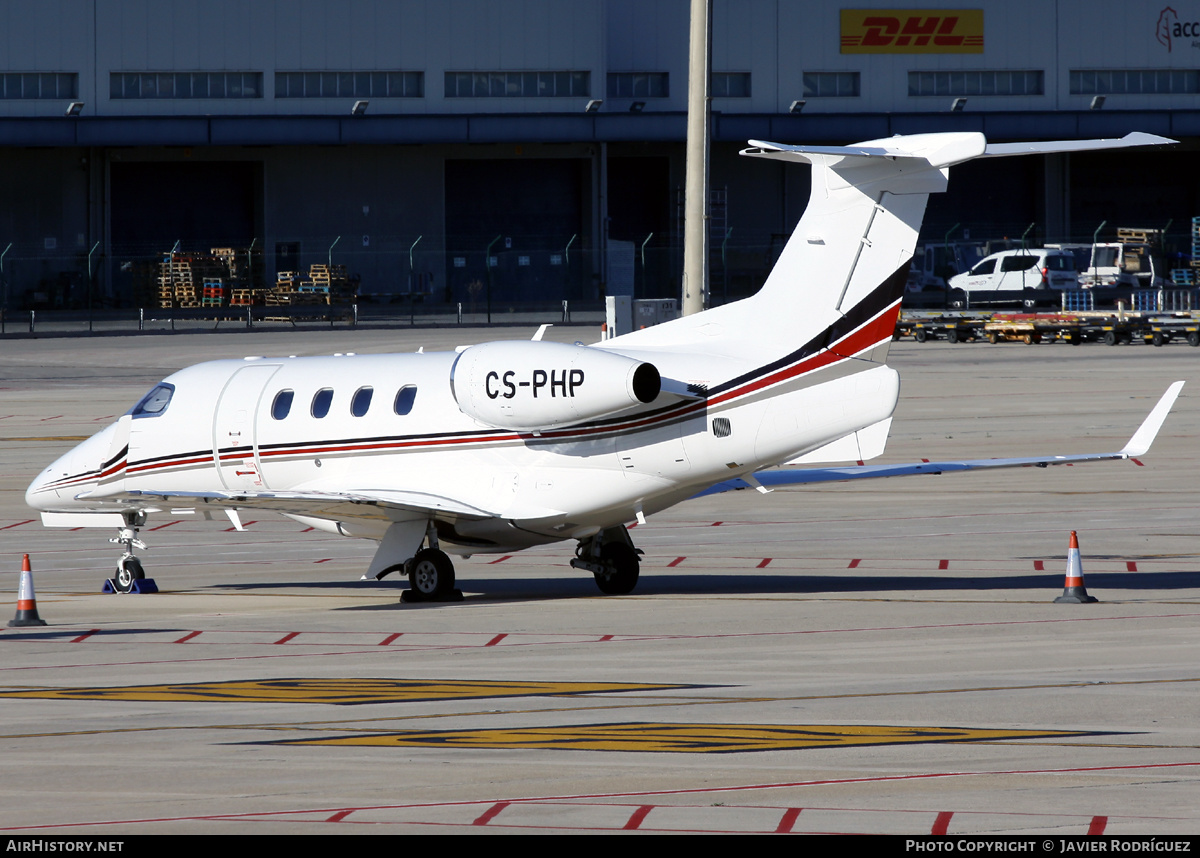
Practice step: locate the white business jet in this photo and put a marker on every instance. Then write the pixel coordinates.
(500, 446)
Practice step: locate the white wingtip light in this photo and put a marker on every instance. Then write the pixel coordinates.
(1140, 443)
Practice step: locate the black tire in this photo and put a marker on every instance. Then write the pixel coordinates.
(1158, 338)
(621, 565)
(952, 335)
(1110, 338)
(1193, 338)
(431, 574)
(129, 571)
(957, 299)
(920, 335)
(993, 337)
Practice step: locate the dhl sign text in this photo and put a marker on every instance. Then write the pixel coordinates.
(912, 31)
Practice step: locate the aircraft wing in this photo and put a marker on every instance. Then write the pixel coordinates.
(1138, 445)
(377, 504)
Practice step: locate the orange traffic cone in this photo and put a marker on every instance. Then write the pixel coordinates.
(27, 614)
(1074, 591)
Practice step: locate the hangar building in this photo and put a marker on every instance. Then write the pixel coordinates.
(414, 140)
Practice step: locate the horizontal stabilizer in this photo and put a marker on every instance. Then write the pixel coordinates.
(1052, 147)
(1138, 445)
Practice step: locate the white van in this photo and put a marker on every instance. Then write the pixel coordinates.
(1017, 270)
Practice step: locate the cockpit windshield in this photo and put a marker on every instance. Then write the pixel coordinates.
(155, 402)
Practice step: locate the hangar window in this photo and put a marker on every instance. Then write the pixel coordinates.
(282, 404)
(831, 84)
(39, 85)
(730, 84)
(405, 398)
(518, 84)
(345, 84)
(638, 85)
(198, 84)
(155, 402)
(962, 83)
(321, 401)
(361, 401)
(1135, 81)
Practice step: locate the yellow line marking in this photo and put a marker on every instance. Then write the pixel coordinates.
(684, 738)
(336, 691)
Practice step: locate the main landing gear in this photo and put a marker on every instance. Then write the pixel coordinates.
(129, 568)
(430, 574)
(611, 558)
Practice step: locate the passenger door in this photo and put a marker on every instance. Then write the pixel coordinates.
(235, 447)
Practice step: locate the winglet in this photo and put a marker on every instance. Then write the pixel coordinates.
(1144, 436)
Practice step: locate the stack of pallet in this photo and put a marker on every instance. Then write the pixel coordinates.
(1196, 242)
(176, 288)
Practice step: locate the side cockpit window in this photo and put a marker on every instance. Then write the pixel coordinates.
(155, 402)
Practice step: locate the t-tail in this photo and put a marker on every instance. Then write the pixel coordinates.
(838, 283)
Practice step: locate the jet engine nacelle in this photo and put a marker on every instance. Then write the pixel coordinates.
(534, 385)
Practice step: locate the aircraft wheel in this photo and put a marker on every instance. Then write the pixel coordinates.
(431, 574)
(129, 570)
(621, 567)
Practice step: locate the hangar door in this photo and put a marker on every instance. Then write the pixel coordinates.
(535, 206)
(202, 205)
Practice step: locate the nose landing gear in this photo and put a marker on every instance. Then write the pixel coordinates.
(129, 568)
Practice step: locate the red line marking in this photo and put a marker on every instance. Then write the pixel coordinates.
(85, 636)
(339, 816)
(496, 640)
(1130, 566)
(287, 637)
(1039, 566)
(18, 524)
(306, 530)
(943, 564)
(854, 563)
(187, 637)
(716, 524)
(168, 524)
(788, 820)
(55, 417)
(323, 560)
(942, 823)
(605, 638)
(763, 563)
(490, 814)
(390, 638)
(1099, 823)
(1140, 464)
(500, 560)
(676, 561)
(638, 816)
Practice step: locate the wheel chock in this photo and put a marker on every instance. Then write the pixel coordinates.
(27, 614)
(1074, 591)
(140, 585)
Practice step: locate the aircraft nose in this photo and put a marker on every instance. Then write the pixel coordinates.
(39, 495)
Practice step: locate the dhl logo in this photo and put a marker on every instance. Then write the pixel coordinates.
(912, 31)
